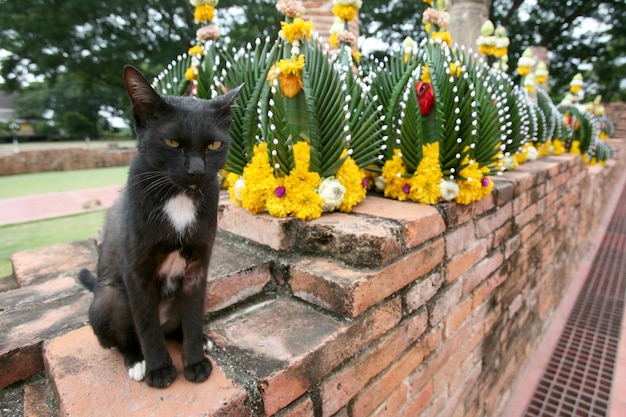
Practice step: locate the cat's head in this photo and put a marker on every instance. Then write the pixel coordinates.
(182, 139)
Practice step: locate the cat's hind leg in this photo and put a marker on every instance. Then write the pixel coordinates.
(111, 320)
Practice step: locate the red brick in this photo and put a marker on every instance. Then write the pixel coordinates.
(225, 291)
(376, 391)
(503, 190)
(527, 215)
(301, 408)
(420, 401)
(487, 287)
(456, 317)
(276, 233)
(34, 266)
(423, 290)
(491, 222)
(458, 239)
(445, 301)
(350, 291)
(356, 240)
(419, 222)
(522, 181)
(92, 381)
(287, 361)
(457, 214)
(466, 260)
(346, 383)
(481, 271)
(393, 403)
(39, 400)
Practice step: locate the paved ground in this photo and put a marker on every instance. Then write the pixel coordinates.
(45, 206)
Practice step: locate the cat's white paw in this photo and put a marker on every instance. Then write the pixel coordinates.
(208, 346)
(137, 371)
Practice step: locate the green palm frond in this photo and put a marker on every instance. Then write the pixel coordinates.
(171, 81)
(541, 133)
(551, 113)
(390, 80)
(209, 71)
(365, 120)
(454, 98)
(491, 119)
(249, 67)
(518, 110)
(325, 110)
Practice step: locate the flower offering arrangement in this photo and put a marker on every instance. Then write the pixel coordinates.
(317, 125)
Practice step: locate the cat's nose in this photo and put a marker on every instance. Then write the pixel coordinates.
(196, 168)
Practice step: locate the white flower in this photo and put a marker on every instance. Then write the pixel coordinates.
(509, 163)
(449, 190)
(532, 153)
(239, 185)
(379, 183)
(332, 192)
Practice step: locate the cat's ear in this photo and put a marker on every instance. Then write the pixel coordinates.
(146, 103)
(227, 101)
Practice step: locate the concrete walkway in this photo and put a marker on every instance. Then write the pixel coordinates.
(46, 206)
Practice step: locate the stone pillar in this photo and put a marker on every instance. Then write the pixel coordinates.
(320, 12)
(466, 18)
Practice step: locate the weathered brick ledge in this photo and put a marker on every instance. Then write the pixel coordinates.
(395, 309)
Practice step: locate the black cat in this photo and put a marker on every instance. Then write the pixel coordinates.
(158, 237)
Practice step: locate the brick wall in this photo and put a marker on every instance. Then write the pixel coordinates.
(63, 159)
(399, 309)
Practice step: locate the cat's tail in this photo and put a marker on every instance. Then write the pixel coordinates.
(87, 279)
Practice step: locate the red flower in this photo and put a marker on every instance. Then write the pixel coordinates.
(425, 96)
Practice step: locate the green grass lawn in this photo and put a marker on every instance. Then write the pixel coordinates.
(18, 237)
(57, 181)
(32, 235)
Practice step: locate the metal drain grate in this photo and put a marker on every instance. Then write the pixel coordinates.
(577, 381)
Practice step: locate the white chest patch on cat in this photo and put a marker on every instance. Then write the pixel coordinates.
(181, 212)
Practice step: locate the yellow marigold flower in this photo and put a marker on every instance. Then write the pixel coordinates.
(455, 69)
(443, 36)
(356, 55)
(345, 12)
(332, 40)
(425, 182)
(290, 75)
(544, 148)
(470, 189)
(351, 177)
(396, 185)
(486, 49)
(204, 13)
(259, 180)
(302, 155)
(425, 76)
(196, 50)
(306, 204)
(279, 203)
(296, 30)
(190, 74)
(558, 146)
(230, 178)
(523, 71)
(499, 52)
(575, 148)
(604, 135)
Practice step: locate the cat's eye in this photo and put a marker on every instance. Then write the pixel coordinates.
(213, 146)
(171, 143)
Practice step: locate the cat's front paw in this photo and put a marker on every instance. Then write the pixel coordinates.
(161, 377)
(137, 371)
(199, 371)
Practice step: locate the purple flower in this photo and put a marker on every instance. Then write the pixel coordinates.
(364, 182)
(406, 188)
(485, 181)
(280, 191)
